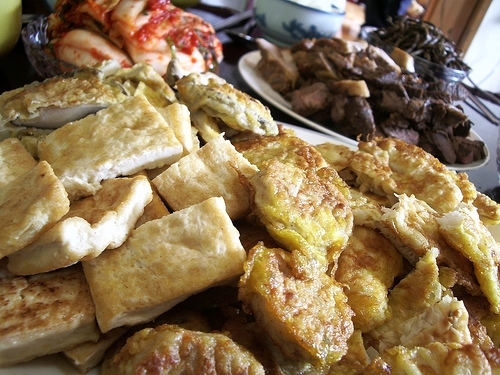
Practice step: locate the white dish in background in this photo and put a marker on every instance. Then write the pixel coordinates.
(247, 66)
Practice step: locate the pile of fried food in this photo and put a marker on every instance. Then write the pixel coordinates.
(85, 32)
(181, 230)
(360, 91)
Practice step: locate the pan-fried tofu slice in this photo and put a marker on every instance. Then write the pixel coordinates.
(44, 314)
(120, 140)
(163, 262)
(14, 160)
(93, 224)
(29, 205)
(214, 170)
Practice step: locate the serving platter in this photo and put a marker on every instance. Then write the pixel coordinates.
(247, 66)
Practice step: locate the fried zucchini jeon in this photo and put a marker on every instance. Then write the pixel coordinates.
(387, 166)
(219, 99)
(216, 169)
(464, 231)
(14, 160)
(120, 140)
(170, 349)
(93, 224)
(305, 210)
(163, 262)
(368, 267)
(303, 310)
(285, 147)
(44, 314)
(29, 205)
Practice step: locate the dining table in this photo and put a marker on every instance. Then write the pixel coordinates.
(16, 71)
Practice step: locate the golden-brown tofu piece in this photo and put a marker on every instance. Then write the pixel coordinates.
(304, 310)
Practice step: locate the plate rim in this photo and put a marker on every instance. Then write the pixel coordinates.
(247, 68)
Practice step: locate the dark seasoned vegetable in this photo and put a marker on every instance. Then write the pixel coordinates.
(422, 39)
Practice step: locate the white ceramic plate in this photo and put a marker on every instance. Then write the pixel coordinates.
(247, 66)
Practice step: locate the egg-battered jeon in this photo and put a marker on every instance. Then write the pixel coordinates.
(436, 358)
(92, 225)
(368, 266)
(464, 231)
(285, 147)
(14, 160)
(303, 210)
(488, 209)
(412, 226)
(163, 262)
(388, 166)
(422, 312)
(44, 314)
(29, 205)
(337, 155)
(219, 99)
(120, 140)
(214, 170)
(170, 349)
(68, 98)
(303, 309)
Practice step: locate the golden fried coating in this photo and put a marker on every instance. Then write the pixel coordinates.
(303, 210)
(303, 310)
(337, 155)
(368, 266)
(422, 313)
(285, 147)
(387, 166)
(170, 349)
(465, 232)
(219, 99)
(413, 227)
(488, 209)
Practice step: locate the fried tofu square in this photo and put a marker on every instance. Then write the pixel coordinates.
(92, 225)
(120, 140)
(163, 262)
(44, 314)
(214, 170)
(14, 160)
(29, 205)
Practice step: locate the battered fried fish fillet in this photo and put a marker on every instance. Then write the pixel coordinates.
(92, 225)
(170, 349)
(303, 210)
(422, 313)
(217, 98)
(285, 147)
(465, 232)
(437, 358)
(303, 310)
(387, 166)
(412, 226)
(368, 266)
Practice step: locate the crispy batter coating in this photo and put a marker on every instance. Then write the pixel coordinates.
(387, 166)
(170, 349)
(220, 99)
(464, 230)
(303, 310)
(303, 210)
(368, 266)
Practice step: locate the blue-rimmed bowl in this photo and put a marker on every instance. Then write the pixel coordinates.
(285, 22)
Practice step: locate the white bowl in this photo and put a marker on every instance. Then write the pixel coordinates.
(285, 22)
